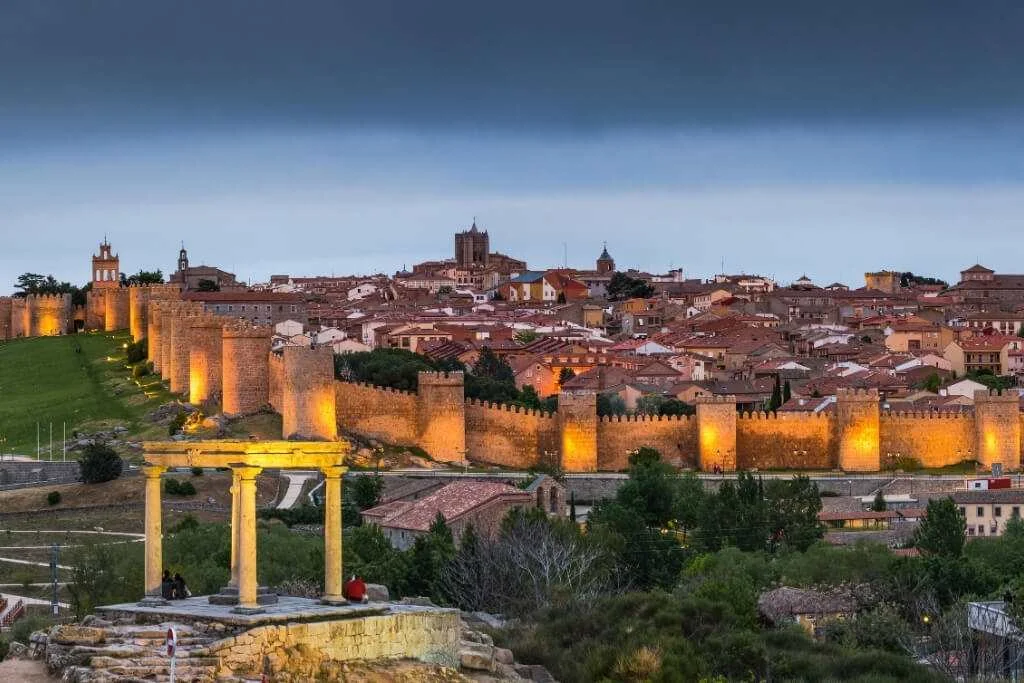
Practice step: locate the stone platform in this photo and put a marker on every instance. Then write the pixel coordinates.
(285, 610)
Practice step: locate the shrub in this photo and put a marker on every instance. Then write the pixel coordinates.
(99, 463)
(53, 497)
(140, 370)
(197, 471)
(174, 487)
(137, 351)
(177, 423)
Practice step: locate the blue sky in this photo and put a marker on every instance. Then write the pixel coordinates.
(318, 137)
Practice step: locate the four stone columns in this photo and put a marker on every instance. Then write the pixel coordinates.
(333, 594)
(247, 584)
(154, 539)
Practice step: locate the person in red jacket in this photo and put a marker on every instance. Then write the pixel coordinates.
(355, 589)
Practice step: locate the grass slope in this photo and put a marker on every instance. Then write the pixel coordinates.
(81, 380)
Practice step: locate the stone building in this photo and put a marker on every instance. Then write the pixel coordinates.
(472, 247)
(258, 308)
(191, 278)
(106, 268)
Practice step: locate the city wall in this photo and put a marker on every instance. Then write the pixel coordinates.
(936, 439)
(767, 441)
(675, 437)
(377, 413)
(510, 436)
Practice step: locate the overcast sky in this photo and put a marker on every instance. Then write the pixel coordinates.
(323, 136)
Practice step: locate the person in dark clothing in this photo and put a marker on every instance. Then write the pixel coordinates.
(180, 589)
(167, 586)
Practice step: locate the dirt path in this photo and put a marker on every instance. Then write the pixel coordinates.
(24, 671)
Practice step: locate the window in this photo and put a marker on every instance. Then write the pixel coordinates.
(981, 511)
(963, 511)
(1015, 512)
(981, 529)
(997, 511)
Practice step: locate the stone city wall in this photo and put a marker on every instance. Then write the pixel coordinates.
(95, 309)
(205, 369)
(307, 394)
(675, 437)
(935, 439)
(246, 362)
(116, 309)
(308, 651)
(510, 436)
(5, 317)
(275, 380)
(48, 314)
(768, 441)
(377, 413)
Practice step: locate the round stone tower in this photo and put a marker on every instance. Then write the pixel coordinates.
(204, 358)
(307, 394)
(245, 359)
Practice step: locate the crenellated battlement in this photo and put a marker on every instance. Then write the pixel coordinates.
(509, 408)
(245, 329)
(442, 379)
(608, 419)
(374, 387)
(852, 394)
(915, 415)
(709, 400)
(795, 416)
(996, 396)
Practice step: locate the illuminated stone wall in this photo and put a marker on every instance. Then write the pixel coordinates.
(275, 380)
(95, 309)
(138, 298)
(307, 394)
(510, 436)
(48, 314)
(116, 309)
(998, 429)
(245, 360)
(785, 441)
(181, 342)
(935, 439)
(675, 437)
(154, 333)
(858, 430)
(19, 318)
(716, 432)
(5, 317)
(205, 347)
(577, 415)
(441, 415)
(377, 412)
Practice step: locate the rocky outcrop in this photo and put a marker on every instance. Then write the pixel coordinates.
(484, 662)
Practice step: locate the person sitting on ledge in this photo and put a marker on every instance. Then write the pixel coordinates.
(181, 591)
(355, 589)
(167, 586)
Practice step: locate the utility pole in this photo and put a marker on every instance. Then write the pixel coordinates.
(64, 442)
(51, 442)
(38, 450)
(54, 555)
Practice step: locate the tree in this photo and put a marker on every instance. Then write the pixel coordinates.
(207, 286)
(365, 490)
(99, 463)
(941, 532)
(656, 404)
(525, 337)
(1020, 331)
(793, 507)
(787, 392)
(610, 404)
(564, 375)
(776, 400)
(146, 277)
(429, 556)
(489, 365)
(878, 504)
(933, 383)
(394, 368)
(622, 287)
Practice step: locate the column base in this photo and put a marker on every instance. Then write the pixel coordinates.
(228, 595)
(333, 600)
(152, 601)
(248, 610)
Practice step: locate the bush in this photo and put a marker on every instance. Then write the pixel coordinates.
(140, 370)
(99, 463)
(173, 487)
(197, 471)
(53, 497)
(137, 351)
(177, 423)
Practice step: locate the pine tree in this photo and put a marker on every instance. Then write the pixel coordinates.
(787, 392)
(776, 400)
(878, 504)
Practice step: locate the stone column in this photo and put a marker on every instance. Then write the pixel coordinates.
(333, 594)
(247, 584)
(154, 539)
(236, 509)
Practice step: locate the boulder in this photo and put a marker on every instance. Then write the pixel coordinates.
(376, 592)
(70, 634)
(476, 656)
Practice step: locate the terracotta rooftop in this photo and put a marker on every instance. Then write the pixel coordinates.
(452, 501)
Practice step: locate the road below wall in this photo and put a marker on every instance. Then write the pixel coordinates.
(589, 488)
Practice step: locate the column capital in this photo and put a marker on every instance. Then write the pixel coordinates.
(246, 472)
(334, 471)
(153, 471)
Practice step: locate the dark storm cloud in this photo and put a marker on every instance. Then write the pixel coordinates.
(525, 64)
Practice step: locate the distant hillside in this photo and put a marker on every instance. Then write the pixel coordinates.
(82, 380)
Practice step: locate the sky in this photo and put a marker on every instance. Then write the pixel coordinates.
(325, 136)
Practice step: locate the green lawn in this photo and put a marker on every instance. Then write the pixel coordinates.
(79, 380)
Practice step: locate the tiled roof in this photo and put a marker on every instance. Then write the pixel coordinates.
(452, 501)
